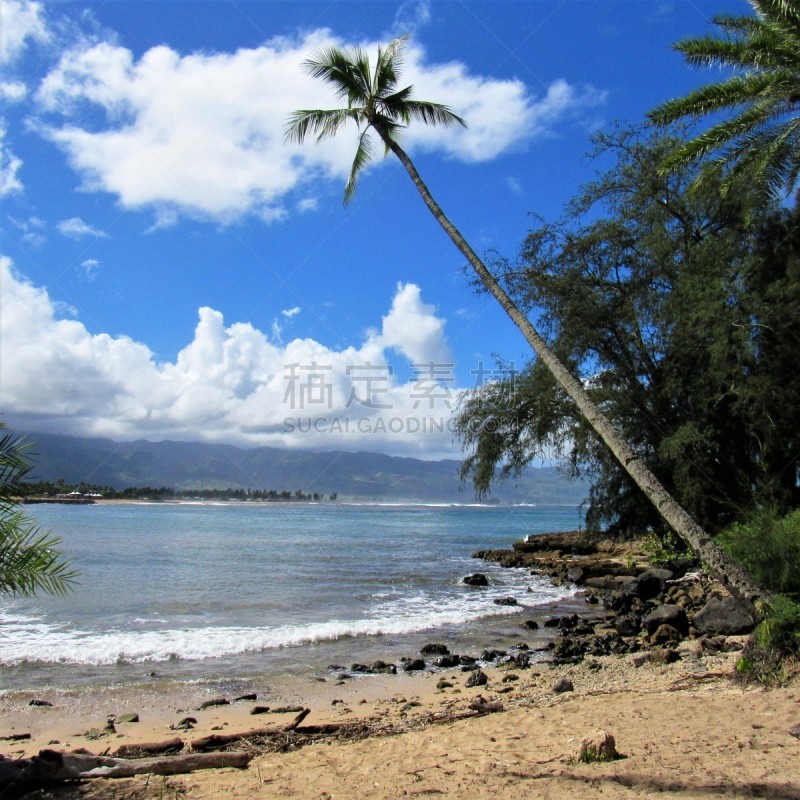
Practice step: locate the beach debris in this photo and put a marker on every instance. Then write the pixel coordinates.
(217, 741)
(598, 747)
(478, 579)
(287, 710)
(41, 703)
(477, 678)
(185, 724)
(443, 684)
(174, 745)
(563, 685)
(132, 717)
(795, 731)
(15, 737)
(260, 710)
(216, 701)
(245, 698)
(484, 706)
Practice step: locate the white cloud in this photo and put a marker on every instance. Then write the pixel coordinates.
(31, 229)
(411, 16)
(12, 91)
(203, 134)
(90, 268)
(76, 228)
(21, 21)
(10, 165)
(515, 185)
(308, 204)
(230, 383)
(291, 312)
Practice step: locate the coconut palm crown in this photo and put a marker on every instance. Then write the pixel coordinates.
(373, 102)
(762, 138)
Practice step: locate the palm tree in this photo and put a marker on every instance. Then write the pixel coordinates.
(762, 139)
(374, 103)
(29, 562)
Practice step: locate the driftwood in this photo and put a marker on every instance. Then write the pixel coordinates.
(50, 767)
(217, 741)
(149, 748)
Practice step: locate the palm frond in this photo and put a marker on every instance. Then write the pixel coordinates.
(433, 113)
(783, 12)
(388, 66)
(29, 561)
(321, 123)
(736, 91)
(364, 154)
(338, 67)
(719, 135)
(14, 465)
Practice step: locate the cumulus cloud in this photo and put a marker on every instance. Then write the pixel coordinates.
(76, 228)
(291, 312)
(22, 21)
(230, 383)
(203, 134)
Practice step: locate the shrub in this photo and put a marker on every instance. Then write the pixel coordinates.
(768, 547)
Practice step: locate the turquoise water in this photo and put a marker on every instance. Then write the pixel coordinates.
(210, 591)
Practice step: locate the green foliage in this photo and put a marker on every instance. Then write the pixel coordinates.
(662, 549)
(761, 139)
(29, 560)
(678, 315)
(768, 547)
(779, 629)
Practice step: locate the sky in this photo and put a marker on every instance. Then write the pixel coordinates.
(172, 268)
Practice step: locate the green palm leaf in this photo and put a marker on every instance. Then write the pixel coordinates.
(764, 96)
(29, 560)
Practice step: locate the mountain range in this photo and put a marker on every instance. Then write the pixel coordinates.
(357, 476)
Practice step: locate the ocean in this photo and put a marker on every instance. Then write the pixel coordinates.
(228, 593)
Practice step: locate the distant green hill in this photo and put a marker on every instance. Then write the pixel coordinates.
(195, 465)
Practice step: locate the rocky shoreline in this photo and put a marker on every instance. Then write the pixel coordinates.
(631, 606)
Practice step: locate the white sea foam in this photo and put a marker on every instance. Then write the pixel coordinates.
(28, 639)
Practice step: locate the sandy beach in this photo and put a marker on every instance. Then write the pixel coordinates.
(683, 730)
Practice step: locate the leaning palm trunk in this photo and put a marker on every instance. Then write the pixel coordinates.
(727, 571)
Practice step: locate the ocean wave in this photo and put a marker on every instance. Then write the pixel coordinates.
(30, 640)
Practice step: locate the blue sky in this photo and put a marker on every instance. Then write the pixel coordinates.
(167, 257)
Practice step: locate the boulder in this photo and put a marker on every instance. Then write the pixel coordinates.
(448, 661)
(627, 624)
(531, 625)
(665, 634)
(478, 579)
(563, 685)
(666, 615)
(435, 649)
(576, 574)
(477, 678)
(413, 664)
(505, 601)
(652, 582)
(723, 617)
(600, 746)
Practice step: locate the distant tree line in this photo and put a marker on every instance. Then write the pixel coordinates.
(60, 487)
